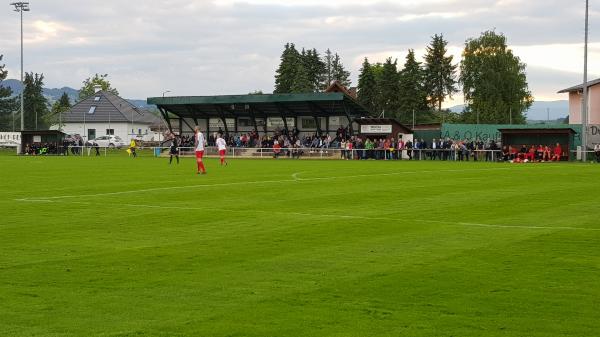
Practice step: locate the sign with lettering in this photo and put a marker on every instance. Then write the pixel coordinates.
(370, 129)
(593, 135)
(276, 122)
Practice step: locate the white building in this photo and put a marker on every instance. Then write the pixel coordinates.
(105, 113)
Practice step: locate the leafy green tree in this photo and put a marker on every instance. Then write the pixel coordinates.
(286, 72)
(413, 96)
(367, 87)
(35, 104)
(89, 83)
(58, 108)
(440, 73)
(494, 81)
(8, 104)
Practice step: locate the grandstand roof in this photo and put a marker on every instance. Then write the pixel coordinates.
(321, 104)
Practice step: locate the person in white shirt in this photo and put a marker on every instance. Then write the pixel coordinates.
(222, 145)
(200, 141)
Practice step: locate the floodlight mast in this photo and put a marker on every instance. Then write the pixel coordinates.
(584, 108)
(21, 7)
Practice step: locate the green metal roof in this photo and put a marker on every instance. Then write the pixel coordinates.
(243, 99)
(307, 104)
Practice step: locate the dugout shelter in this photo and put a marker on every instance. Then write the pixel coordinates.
(550, 136)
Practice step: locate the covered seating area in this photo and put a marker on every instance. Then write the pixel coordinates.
(316, 113)
(546, 137)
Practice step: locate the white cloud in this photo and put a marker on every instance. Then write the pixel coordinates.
(233, 46)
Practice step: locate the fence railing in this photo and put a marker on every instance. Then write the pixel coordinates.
(292, 153)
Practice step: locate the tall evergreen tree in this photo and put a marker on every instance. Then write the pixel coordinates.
(286, 73)
(367, 87)
(87, 89)
(413, 97)
(8, 104)
(302, 81)
(387, 99)
(315, 69)
(328, 61)
(35, 104)
(494, 81)
(440, 73)
(340, 74)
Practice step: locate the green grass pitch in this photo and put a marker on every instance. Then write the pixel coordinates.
(114, 246)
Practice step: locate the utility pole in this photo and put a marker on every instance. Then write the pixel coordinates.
(584, 109)
(21, 7)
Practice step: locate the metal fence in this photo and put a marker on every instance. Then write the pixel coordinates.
(288, 153)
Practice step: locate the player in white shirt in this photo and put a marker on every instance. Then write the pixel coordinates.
(200, 141)
(222, 145)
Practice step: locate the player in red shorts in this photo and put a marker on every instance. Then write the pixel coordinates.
(200, 141)
(222, 145)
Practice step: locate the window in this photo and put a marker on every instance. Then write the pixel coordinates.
(244, 122)
(97, 98)
(92, 109)
(309, 123)
(110, 132)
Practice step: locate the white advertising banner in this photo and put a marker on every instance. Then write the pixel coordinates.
(370, 129)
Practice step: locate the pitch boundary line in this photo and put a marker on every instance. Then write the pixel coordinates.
(294, 178)
(338, 216)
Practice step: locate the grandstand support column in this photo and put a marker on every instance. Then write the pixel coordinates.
(316, 118)
(253, 119)
(223, 119)
(165, 115)
(282, 114)
(186, 123)
(350, 128)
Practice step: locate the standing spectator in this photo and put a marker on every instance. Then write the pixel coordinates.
(132, 146)
(409, 149)
(276, 149)
(597, 151)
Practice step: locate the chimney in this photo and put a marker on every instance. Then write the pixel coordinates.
(97, 88)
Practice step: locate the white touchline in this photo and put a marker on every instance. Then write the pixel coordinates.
(449, 223)
(295, 178)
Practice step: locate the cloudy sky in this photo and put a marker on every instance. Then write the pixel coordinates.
(207, 47)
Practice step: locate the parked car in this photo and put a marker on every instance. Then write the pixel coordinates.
(110, 142)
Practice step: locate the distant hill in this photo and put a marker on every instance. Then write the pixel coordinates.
(53, 94)
(539, 110)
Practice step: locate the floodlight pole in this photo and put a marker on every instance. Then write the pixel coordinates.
(21, 7)
(584, 109)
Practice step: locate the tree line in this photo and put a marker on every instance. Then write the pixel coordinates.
(493, 81)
